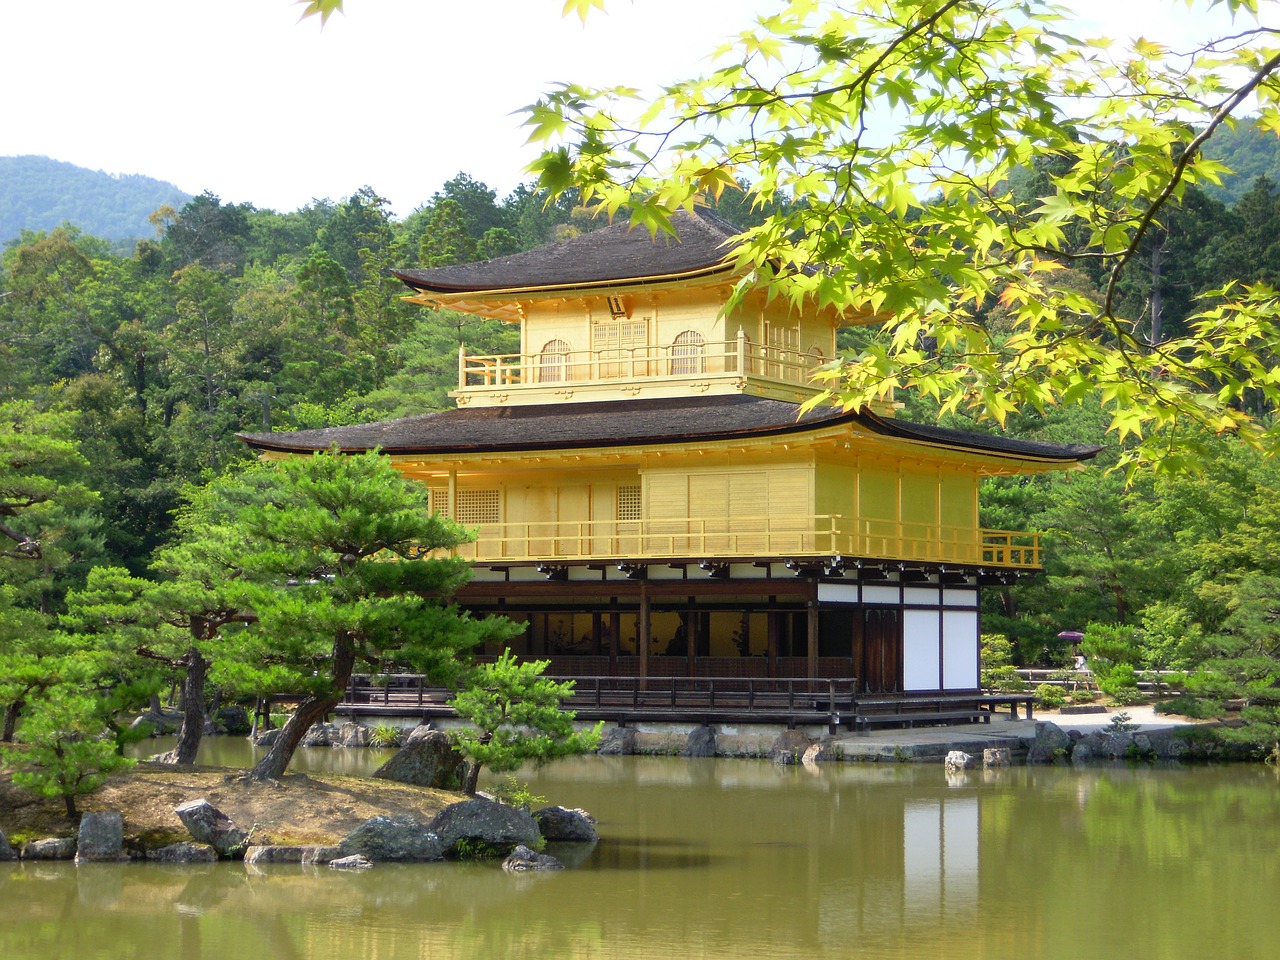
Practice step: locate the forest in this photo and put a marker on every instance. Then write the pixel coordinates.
(124, 378)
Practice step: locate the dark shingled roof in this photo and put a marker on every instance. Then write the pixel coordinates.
(622, 423)
(617, 254)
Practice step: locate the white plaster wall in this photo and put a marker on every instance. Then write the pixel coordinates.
(837, 593)
(920, 650)
(880, 594)
(959, 649)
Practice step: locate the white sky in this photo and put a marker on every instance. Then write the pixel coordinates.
(237, 97)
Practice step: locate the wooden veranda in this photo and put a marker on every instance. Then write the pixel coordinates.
(793, 701)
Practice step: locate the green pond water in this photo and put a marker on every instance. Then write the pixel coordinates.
(741, 859)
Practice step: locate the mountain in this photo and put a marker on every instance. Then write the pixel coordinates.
(37, 193)
(1249, 151)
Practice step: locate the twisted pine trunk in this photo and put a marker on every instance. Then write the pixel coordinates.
(312, 708)
(193, 715)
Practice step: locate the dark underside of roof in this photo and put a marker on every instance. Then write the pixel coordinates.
(627, 423)
(614, 254)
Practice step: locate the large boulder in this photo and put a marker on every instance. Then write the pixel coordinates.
(561, 824)
(429, 760)
(1051, 745)
(161, 723)
(524, 860)
(958, 760)
(207, 824)
(320, 735)
(618, 742)
(353, 862)
(996, 757)
(701, 742)
(819, 753)
(352, 735)
(233, 720)
(269, 854)
(54, 848)
(390, 839)
(487, 821)
(101, 837)
(184, 853)
(6, 852)
(267, 738)
(789, 747)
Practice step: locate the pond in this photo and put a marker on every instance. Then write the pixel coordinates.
(739, 858)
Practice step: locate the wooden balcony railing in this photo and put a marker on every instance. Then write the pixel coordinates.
(722, 358)
(751, 537)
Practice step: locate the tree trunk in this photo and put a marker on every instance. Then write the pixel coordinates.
(473, 769)
(473, 778)
(73, 814)
(273, 765)
(11, 721)
(312, 708)
(193, 716)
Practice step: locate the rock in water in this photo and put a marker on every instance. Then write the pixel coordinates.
(701, 743)
(618, 742)
(958, 760)
(184, 853)
(101, 837)
(6, 852)
(354, 862)
(523, 860)
(392, 838)
(209, 825)
(789, 747)
(559, 823)
(55, 848)
(996, 757)
(820, 753)
(493, 823)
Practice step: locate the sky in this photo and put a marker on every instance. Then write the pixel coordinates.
(239, 98)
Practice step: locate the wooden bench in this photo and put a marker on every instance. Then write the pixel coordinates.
(993, 700)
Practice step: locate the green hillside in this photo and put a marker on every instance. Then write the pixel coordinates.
(1249, 151)
(37, 193)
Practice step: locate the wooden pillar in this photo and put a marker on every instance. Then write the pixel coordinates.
(596, 630)
(771, 618)
(453, 494)
(692, 638)
(812, 652)
(615, 638)
(642, 639)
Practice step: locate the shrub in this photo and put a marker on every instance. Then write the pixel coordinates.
(1119, 681)
(385, 735)
(516, 794)
(1004, 679)
(997, 656)
(1196, 708)
(1082, 696)
(1050, 695)
(1127, 696)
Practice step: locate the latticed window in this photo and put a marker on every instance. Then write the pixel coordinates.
(478, 506)
(629, 502)
(620, 334)
(686, 354)
(553, 362)
(440, 502)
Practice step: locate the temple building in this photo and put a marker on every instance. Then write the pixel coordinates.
(648, 496)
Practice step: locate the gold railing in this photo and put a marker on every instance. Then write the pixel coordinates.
(672, 361)
(754, 537)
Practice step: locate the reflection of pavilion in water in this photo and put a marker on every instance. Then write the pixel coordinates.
(936, 880)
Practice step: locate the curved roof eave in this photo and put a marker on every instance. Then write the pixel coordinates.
(636, 424)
